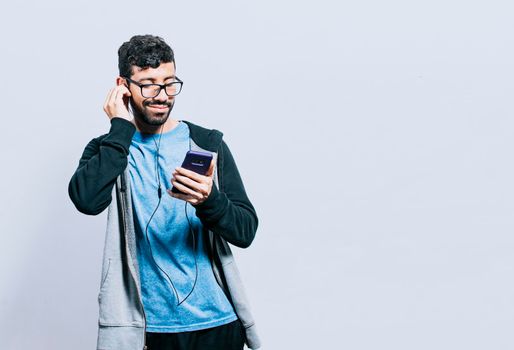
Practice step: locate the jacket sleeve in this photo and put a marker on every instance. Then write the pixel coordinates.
(228, 212)
(104, 158)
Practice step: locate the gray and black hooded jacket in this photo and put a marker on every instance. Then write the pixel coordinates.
(227, 213)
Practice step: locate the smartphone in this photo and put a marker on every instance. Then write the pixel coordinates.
(199, 162)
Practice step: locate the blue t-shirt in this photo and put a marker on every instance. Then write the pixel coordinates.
(165, 250)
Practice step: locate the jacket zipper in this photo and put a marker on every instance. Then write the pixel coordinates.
(122, 202)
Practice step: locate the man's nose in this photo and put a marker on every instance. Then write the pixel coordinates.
(161, 96)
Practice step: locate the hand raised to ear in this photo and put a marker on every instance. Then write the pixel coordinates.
(116, 103)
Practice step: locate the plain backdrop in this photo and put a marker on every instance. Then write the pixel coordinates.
(374, 139)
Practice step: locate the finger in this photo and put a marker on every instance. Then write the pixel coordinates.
(210, 172)
(125, 90)
(112, 98)
(191, 174)
(118, 97)
(186, 190)
(195, 186)
(107, 99)
(119, 101)
(183, 197)
(176, 194)
(108, 96)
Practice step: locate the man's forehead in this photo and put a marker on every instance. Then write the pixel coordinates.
(164, 70)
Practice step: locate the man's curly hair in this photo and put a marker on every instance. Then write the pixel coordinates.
(143, 51)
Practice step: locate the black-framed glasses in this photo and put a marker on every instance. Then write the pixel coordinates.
(152, 90)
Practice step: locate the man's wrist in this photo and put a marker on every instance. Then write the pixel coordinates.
(121, 132)
(127, 118)
(210, 200)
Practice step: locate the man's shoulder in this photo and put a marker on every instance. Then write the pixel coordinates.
(209, 139)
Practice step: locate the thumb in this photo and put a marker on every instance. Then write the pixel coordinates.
(125, 90)
(210, 172)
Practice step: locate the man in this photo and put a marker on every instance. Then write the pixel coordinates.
(168, 279)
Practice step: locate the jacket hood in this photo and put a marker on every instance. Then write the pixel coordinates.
(209, 139)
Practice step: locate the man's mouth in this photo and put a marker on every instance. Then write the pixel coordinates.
(159, 107)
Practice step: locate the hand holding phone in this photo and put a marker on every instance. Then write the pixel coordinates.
(192, 181)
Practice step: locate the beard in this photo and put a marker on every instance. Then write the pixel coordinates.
(149, 117)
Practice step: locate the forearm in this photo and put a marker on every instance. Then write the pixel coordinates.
(229, 212)
(103, 160)
(235, 221)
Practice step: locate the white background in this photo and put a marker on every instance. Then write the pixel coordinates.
(374, 139)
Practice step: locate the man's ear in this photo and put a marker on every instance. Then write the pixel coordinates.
(120, 81)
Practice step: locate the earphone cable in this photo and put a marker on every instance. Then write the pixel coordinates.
(191, 230)
(159, 193)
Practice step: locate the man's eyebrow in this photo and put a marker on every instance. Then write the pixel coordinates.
(153, 79)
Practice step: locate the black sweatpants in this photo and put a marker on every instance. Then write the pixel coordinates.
(226, 337)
